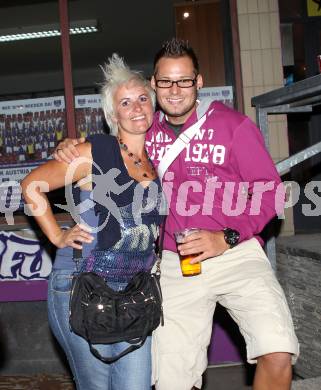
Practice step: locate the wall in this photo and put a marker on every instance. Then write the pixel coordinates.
(299, 272)
(203, 29)
(261, 63)
(27, 346)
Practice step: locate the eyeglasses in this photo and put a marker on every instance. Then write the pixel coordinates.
(184, 83)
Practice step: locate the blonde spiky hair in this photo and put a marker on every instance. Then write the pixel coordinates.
(116, 74)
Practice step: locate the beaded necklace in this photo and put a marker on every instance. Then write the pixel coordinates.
(137, 161)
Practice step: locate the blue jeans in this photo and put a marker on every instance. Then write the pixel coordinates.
(131, 372)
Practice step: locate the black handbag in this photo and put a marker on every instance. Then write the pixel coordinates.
(102, 315)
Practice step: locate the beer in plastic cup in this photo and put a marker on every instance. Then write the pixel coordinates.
(187, 268)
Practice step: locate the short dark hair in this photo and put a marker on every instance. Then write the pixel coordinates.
(175, 48)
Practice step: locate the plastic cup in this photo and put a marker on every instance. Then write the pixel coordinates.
(187, 268)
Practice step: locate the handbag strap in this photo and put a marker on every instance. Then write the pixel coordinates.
(180, 143)
(77, 255)
(129, 349)
(160, 248)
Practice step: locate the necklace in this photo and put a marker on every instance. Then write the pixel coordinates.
(137, 161)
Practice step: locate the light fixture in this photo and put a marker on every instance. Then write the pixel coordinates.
(46, 31)
(186, 15)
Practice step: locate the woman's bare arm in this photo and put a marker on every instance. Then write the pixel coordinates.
(50, 176)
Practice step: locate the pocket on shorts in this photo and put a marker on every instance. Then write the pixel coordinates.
(61, 283)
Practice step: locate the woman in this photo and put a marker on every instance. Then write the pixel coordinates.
(121, 246)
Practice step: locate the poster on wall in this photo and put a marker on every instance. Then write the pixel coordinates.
(223, 94)
(30, 129)
(89, 115)
(29, 132)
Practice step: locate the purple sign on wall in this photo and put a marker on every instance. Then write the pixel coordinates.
(22, 258)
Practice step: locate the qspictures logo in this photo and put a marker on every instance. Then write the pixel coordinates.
(189, 198)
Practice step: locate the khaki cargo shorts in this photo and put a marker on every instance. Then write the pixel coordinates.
(242, 281)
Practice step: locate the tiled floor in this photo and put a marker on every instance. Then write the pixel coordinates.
(218, 378)
(36, 382)
(235, 377)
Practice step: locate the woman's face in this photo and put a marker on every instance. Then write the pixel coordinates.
(133, 109)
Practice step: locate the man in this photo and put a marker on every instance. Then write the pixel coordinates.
(223, 182)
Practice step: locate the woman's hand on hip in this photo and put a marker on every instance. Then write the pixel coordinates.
(73, 237)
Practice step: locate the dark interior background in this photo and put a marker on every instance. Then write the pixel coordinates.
(303, 129)
(33, 68)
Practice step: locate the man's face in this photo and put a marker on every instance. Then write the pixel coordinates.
(176, 102)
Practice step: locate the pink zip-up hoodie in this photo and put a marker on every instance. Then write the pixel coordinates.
(225, 177)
